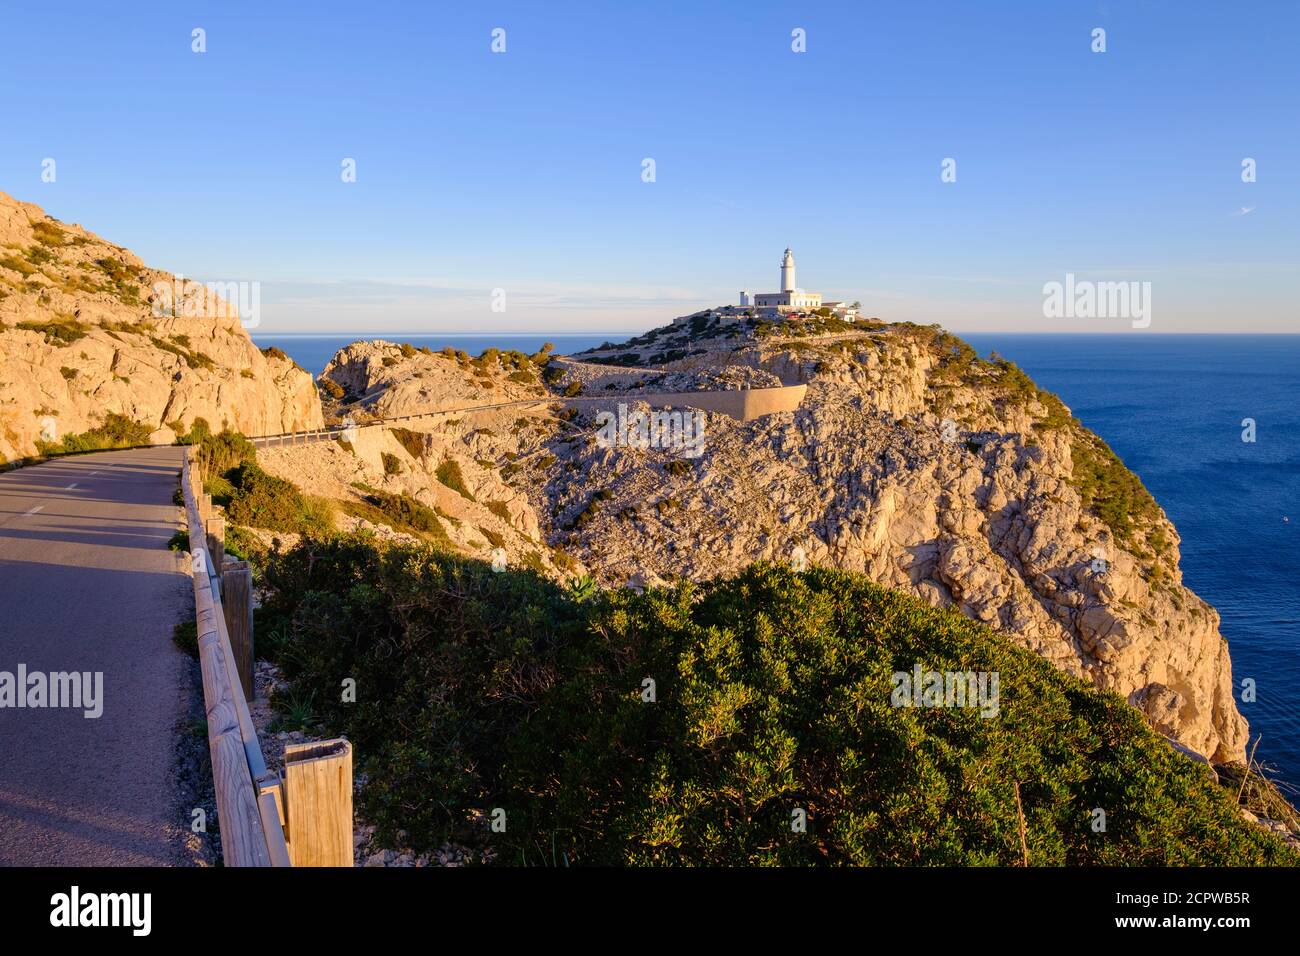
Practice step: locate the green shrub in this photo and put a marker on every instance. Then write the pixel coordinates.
(221, 490)
(185, 636)
(22, 267)
(430, 637)
(450, 475)
(413, 442)
(60, 332)
(401, 512)
(119, 276)
(500, 509)
(1108, 489)
(243, 545)
(331, 388)
(220, 453)
(773, 692)
(117, 431)
(178, 345)
(392, 464)
(265, 501)
(48, 234)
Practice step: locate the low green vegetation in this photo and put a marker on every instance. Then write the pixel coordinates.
(332, 389)
(116, 431)
(400, 512)
(219, 453)
(48, 234)
(120, 277)
(261, 500)
(60, 331)
(958, 364)
(822, 324)
(392, 464)
(252, 497)
(413, 442)
(279, 355)
(594, 504)
(1112, 492)
(178, 345)
(185, 636)
(772, 693)
(449, 474)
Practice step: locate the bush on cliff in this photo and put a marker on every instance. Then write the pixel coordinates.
(260, 500)
(116, 431)
(772, 694)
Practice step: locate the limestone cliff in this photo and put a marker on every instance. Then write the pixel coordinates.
(910, 459)
(83, 334)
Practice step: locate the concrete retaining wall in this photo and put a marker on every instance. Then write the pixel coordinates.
(741, 404)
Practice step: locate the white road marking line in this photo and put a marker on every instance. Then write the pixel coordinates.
(71, 486)
(93, 474)
(36, 509)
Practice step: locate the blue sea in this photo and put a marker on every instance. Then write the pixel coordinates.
(1172, 407)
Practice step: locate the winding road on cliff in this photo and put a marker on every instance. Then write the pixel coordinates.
(87, 585)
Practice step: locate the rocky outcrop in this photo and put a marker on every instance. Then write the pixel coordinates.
(910, 460)
(389, 380)
(84, 333)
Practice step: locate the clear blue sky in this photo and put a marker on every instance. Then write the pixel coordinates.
(523, 170)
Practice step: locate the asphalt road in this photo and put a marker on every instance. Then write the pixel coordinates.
(87, 585)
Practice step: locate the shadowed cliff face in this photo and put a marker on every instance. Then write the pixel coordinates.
(911, 460)
(80, 338)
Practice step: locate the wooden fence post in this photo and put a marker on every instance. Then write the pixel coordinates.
(216, 535)
(318, 803)
(237, 605)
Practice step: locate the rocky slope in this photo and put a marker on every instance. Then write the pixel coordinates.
(911, 460)
(84, 334)
(456, 464)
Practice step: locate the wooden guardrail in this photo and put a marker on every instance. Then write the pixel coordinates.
(261, 823)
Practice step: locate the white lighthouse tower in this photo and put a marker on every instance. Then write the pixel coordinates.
(791, 298)
(787, 272)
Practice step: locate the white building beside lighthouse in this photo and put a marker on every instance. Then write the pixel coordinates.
(791, 298)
